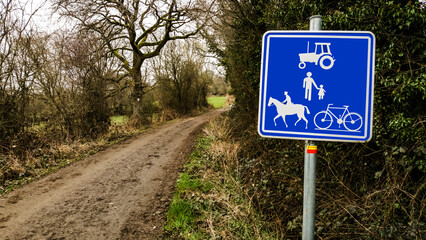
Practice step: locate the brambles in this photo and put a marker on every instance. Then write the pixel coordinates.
(365, 191)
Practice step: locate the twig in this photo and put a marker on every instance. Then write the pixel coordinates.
(368, 230)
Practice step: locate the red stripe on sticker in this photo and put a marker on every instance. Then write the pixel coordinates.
(311, 149)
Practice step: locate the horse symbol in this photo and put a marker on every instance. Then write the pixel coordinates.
(289, 109)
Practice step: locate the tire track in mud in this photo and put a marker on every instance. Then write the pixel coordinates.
(119, 193)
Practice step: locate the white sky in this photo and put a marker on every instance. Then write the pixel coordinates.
(44, 19)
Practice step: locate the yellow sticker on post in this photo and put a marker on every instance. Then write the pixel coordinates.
(311, 149)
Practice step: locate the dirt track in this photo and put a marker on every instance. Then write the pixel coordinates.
(119, 193)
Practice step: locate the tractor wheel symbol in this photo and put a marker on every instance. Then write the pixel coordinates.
(326, 62)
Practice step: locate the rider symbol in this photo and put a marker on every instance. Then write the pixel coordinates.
(287, 98)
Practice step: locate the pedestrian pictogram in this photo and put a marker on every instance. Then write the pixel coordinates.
(307, 85)
(327, 79)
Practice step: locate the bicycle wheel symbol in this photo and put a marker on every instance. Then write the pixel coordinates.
(323, 120)
(352, 122)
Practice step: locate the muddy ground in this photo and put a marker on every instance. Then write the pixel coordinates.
(120, 193)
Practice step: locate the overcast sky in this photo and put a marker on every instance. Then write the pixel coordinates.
(44, 19)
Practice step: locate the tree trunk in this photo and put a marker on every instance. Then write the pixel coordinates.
(137, 95)
(138, 91)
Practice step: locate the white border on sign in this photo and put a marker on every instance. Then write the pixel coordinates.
(348, 138)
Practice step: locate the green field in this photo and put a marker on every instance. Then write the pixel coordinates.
(119, 120)
(217, 101)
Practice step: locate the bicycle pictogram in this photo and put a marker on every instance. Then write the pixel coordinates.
(351, 121)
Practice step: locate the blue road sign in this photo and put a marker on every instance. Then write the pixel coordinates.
(317, 85)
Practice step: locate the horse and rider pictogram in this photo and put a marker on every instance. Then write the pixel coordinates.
(289, 109)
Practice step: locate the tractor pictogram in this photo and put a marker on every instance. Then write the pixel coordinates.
(321, 55)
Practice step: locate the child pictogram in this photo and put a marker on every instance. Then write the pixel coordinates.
(321, 92)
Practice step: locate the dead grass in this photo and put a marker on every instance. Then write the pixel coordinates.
(227, 209)
(230, 100)
(32, 164)
(238, 218)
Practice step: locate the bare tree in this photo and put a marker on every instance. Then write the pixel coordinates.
(72, 73)
(136, 30)
(16, 70)
(181, 80)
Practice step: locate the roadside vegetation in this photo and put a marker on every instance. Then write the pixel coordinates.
(19, 169)
(373, 190)
(221, 194)
(210, 200)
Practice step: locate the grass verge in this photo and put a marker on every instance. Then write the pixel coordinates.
(210, 202)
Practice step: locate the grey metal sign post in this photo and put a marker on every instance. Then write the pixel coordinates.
(316, 86)
(309, 178)
(309, 183)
